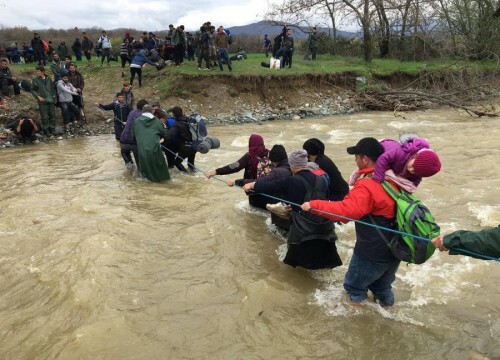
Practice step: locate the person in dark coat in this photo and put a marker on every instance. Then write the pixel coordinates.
(179, 138)
(24, 128)
(120, 110)
(311, 239)
(254, 159)
(38, 49)
(128, 144)
(280, 169)
(77, 49)
(316, 153)
(7, 79)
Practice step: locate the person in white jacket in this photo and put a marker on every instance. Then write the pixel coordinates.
(65, 93)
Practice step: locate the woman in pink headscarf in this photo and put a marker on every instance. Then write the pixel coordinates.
(255, 162)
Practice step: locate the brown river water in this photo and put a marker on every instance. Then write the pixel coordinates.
(96, 263)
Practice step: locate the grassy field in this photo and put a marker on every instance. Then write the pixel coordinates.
(323, 64)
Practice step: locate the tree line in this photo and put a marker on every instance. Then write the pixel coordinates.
(401, 29)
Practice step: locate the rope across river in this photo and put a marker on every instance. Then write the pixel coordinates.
(340, 216)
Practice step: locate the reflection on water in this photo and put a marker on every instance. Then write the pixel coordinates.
(97, 263)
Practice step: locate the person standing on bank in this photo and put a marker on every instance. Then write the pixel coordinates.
(312, 43)
(372, 266)
(42, 89)
(138, 62)
(105, 45)
(149, 132)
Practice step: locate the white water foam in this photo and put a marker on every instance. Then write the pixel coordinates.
(244, 206)
(488, 215)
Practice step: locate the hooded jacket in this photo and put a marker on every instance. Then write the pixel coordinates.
(395, 157)
(44, 88)
(65, 91)
(484, 242)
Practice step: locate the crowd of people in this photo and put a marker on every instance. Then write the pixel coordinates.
(316, 197)
(315, 193)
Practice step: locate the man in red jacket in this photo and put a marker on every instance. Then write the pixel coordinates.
(372, 266)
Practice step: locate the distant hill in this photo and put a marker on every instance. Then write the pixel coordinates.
(263, 27)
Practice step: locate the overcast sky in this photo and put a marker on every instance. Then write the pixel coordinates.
(150, 15)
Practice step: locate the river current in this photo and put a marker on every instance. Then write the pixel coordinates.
(96, 263)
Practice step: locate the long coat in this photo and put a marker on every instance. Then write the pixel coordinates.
(148, 131)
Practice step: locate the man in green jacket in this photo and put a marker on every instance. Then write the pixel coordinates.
(312, 45)
(483, 242)
(149, 133)
(42, 88)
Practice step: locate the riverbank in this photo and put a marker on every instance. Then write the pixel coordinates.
(240, 97)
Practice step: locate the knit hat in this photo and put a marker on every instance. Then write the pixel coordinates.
(277, 153)
(427, 163)
(314, 147)
(298, 159)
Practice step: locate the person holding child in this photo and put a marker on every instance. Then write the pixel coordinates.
(405, 162)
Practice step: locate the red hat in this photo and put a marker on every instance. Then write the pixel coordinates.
(427, 163)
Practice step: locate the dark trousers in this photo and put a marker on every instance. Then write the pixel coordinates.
(127, 150)
(190, 52)
(69, 112)
(105, 54)
(40, 56)
(5, 83)
(179, 54)
(124, 59)
(287, 58)
(222, 55)
(185, 152)
(170, 151)
(133, 71)
(204, 55)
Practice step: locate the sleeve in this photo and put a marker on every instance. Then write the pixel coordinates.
(484, 242)
(383, 163)
(355, 205)
(82, 82)
(171, 133)
(233, 167)
(162, 129)
(34, 89)
(107, 107)
(280, 185)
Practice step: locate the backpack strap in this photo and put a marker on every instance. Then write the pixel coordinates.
(390, 190)
(309, 188)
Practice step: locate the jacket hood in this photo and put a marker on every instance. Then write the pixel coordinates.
(147, 119)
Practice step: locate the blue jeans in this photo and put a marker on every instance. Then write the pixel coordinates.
(364, 275)
(222, 55)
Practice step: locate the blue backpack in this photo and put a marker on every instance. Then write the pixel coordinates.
(198, 129)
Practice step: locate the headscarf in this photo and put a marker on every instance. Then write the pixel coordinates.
(256, 150)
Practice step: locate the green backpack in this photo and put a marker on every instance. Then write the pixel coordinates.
(412, 217)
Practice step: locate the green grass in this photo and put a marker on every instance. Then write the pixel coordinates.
(323, 64)
(337, 64)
